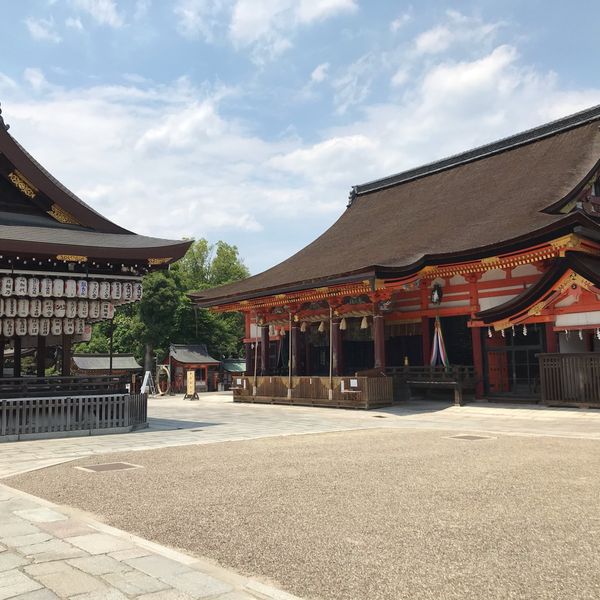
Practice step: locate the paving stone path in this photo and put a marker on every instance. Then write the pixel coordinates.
(49, 552)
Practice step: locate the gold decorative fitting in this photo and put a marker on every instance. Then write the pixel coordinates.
(22, 184)
(62, 216)
(71, 258)
(490, 259)
(536, 309)
(159, 261)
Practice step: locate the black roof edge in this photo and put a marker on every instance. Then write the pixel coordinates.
(520, 139)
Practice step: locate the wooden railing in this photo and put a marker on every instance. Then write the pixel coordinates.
(43, 417)
(570, 379)
(346, 392)
(23, 387)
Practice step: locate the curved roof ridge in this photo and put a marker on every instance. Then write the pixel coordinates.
(513, 141)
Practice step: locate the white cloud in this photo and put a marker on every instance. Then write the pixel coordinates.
(401, 76)
(42, 30)
(74, 23)
(104, 12)
(457, 29)
(400, 22)
(320, 73)
(199, 18)
(141, 9)
(308, 11)
(35, 78)
(353, 86)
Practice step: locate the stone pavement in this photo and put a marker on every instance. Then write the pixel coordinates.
(215, 418)
(49, 552)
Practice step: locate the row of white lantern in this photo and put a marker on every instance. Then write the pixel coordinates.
(70, 288)
(48, 307)
(21, 327)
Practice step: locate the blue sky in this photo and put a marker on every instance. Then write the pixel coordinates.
(249, 120)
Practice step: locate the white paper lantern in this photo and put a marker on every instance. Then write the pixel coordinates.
(33, 287)
(86, 336)
(128, 291)
(137, 291)
(105, 290)
(7, 286)
(69, 326)
(47, 307)
(60, 308)
(23, 307)
(70, 288)
(58, 288)
(105, 310)
(93, 290)
(35, 308)
(82, 309)
(94, 309)
(10, 307)
(79, 326)
(20, 326)
(46, 287)
(82, 288)
(33, 326)
(71, 309)
(20, 286)
(44, 327)
(8, 327)
(56, 326)
(116, 290)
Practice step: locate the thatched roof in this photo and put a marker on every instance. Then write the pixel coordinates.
(508, 192)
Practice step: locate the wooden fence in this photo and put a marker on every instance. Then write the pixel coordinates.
(23, 387)
(570, 379)
(347, 392)
(43, 417)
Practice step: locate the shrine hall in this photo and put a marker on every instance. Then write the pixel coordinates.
(63, 267)
(475, 275)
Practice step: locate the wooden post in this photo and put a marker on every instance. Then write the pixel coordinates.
(17, 357)
(551, 339)
(426, 340)
(66, 355)
(379, 341)
(336, 345)
(2, 345)
(264, 350)
(477, 360)
(41, 356)
(295, 354)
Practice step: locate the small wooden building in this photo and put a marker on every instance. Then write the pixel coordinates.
(495, 251)
(183, 358)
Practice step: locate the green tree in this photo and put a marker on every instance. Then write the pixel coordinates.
(166, 314)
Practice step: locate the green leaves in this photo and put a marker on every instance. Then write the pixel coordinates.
(165, 314)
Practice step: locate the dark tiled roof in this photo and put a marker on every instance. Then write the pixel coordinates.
(193, 354)
(101, 362)
(506, 196)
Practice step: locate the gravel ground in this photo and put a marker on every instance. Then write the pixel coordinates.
(384, 514)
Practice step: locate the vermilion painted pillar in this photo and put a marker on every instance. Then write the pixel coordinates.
(264, 350)
(551, 339)
(337, 353)
(477, 360)
(379, 341)
(426, 340)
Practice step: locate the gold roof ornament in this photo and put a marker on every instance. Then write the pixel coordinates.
(62, 216)
(22, 184)
(159, 261)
